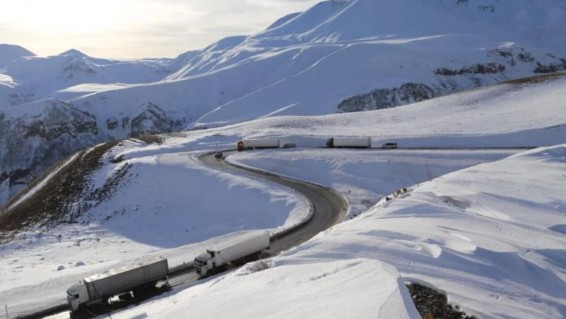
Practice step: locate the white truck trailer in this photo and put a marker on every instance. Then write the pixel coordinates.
(99, 288)
(349, 142)
(256, 143)
(249, 245)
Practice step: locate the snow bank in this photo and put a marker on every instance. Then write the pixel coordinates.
(356, 288)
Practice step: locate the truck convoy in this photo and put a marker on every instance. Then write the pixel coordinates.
(333, 142)
(249, 144)
(349, 142)
(141, 277)
(249, 245)
(99, 288)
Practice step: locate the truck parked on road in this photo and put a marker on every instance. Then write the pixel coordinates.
(248, 144)
(101, 287)
(248, 247)
(349, 142)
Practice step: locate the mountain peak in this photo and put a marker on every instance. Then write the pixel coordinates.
(10, 52)
(75, 53)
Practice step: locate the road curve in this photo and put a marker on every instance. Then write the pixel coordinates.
(328, 207)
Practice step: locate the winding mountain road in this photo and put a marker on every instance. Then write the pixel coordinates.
(327, 209)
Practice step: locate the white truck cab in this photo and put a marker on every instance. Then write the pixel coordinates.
(203, 263)
(77, 294)
(245, 247)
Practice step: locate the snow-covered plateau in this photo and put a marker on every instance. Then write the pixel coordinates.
(483, 221)
(338, 56)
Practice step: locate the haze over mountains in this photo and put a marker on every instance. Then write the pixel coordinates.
(339, 56)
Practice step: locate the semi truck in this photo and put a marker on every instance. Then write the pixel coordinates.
(349, 142)
(246, 248)
(256, 143)
(99, 288)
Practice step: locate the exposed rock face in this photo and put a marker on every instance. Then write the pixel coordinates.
(385, 98)
(154, 120)
(504, 61)
(31, 143)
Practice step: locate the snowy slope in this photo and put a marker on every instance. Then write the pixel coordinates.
(166, 204)
(9, 53)
(38, 77)
(506, 115)
(390, 52)
(491, 236)
(328, 289)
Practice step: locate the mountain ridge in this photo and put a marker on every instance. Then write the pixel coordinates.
(10, 52)
(305, 64)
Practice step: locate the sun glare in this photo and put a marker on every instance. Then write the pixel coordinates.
(128, 28)
(72, 16)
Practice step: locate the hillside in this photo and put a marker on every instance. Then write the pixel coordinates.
(338, 56)
(480, 225)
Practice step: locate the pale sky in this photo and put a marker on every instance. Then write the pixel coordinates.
(134, 28)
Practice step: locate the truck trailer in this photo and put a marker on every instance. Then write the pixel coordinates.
(99, 288)
(349, 142)
(246, 247)
(249, 144)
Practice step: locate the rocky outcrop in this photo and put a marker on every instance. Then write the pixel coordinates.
(385, 98)
(504, 62)
(31, 143)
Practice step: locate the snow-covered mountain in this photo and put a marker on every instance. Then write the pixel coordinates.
(61, 75)
(338, 56)
(9, 53)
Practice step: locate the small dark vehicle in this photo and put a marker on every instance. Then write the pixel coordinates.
(389, 146)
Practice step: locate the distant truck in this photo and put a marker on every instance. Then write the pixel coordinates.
(249, 144)
(248, 247)
(99, 288)
(349, 142)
